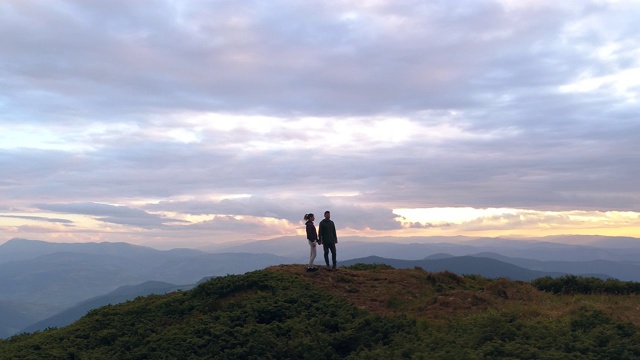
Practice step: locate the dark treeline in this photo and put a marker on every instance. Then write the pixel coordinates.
(572, 284)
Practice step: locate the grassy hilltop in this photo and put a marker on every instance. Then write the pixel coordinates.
(360, 312)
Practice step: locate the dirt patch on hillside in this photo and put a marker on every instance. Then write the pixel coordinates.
(445, 295)
(408, 291)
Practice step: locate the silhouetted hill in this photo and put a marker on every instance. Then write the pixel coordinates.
(14, 316)
(122, 294)
(610, 242)
(486, 267)
(626, 271)
(65, 278)
(53, 276)
(22, 249)
(439, 256)
(362, 312)
(416, 248)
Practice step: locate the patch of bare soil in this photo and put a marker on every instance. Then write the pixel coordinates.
(412, 291)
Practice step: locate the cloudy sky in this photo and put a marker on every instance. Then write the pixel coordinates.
(185, 123)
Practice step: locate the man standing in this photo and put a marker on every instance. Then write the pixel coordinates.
(328, 238)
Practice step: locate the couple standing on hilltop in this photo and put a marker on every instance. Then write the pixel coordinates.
(326, 236)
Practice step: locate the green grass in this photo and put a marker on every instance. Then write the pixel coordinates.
(360, 312)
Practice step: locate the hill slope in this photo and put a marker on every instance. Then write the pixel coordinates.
(364, 312)
(486, 267)
(117, 296)
(14, 316)
(65, 278)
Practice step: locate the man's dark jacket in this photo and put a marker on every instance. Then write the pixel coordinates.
(327, 232)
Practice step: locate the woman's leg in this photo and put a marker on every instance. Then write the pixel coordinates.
(312, 255)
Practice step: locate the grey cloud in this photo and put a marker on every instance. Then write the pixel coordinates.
(39, 218)
(345, 213)
(301, 57)
(360, 217)
(253, 206)
(418, 225)
(112, 214)
(534, 167)
(93, 209)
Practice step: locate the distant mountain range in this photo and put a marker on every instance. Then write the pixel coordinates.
(59, 281)
(462, 265)
(117, 296)
(558, 248)
(40, 279)
(63, 274)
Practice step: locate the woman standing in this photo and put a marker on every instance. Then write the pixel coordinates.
(312, 237)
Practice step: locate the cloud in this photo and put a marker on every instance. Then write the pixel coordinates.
(292, 210)
(122, 215)
(170, 117)
(332, 58)
(39, 218)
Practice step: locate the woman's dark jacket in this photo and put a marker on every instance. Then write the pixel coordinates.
(312, 235)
